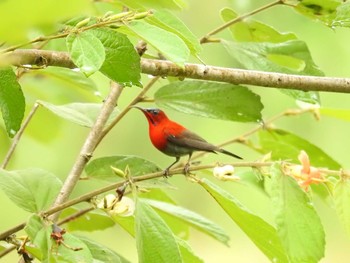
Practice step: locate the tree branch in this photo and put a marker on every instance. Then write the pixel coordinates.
(89, 146)
(195, 71)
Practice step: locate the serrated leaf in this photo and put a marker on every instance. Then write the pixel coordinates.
(154, 240)
(260, 232)
(12, 102)
(91, 221)
(290, 57)
(31, 189)
(193, 219)
(187, 253)
(167, 43)
(342, 200)
(83, 114)
(122, 63)
(341, 114)
(250, 30)
(102, 254)
(284, 145)
(211, 99)
(298, 224)
(169, 22)
(101, 168)
(86, 51)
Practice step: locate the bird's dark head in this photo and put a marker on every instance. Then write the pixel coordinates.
(153, 115)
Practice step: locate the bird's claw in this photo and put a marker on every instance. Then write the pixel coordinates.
(166, 173)
(187, 171)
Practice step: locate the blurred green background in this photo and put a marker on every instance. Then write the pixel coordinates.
(53, 144)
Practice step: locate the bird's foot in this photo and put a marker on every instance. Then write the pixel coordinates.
(166, 173)
(187, 171)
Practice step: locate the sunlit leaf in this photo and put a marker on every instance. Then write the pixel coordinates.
(167, 43)
(154, 240)
(77, 250)
(211, 99)
(249, 30)
(342, 201)
(12, 102)
(86, 51)
(298, 224)
(122, 63)
(291, 57)
(260, 232)
(193, 219)
(187, 253)
(83, 114)
(101, 167)
(342, 18)
(341, 114)
(31, 189)
(284, 145)
(168, 21)
(155, 4)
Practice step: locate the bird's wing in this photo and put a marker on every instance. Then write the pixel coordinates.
(190, 140)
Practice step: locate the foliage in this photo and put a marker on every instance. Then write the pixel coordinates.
(111, 46)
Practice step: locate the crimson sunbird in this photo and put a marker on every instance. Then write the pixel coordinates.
(175, 140)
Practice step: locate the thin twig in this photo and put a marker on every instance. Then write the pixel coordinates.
(18, 136)
(88, 147)
(206, 38)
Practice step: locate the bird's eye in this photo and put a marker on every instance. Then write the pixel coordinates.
(155, 112)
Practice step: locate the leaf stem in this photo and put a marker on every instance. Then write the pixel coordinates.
(18, 136)
(206, 38)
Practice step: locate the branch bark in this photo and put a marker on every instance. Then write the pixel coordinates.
(195, 71)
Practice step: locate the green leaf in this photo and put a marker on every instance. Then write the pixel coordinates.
(341, 114)
(249, 30)
(69, 254)
(193, 219)
(342, 15)
(86, 51)
(320, 10)
(298, 224)
(101, 168)
(83, 114)
(66, 77)
(12, 102)
(154, 240)
(102, 254)
(155, 4)
(91, 221)
(284, 145)
(187, 253)
(290, 57)
(167, 43)
(260, 232)
(171, 23)
(33, 226)
(342, 201)
(211, 99)
(32, 189)
(122, 63)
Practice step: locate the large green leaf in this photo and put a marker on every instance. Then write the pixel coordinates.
(260, 232)
(154, 4)
(298, 224)
(83, 114)
(342, 201)
(167, 43)
(211, 99)
(12, 101)
(249, 30)
(284, 145)
(122, 63)
(193, 219)
(31, 189)
(86, 51)
(154, 240)
(291, 57)
(168, 21)
(342, 16)
(101, 167)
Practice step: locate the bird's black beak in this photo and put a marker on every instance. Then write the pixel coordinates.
(137, 107)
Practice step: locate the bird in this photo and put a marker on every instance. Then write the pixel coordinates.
(175, 140)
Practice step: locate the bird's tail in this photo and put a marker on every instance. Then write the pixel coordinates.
(229, 153)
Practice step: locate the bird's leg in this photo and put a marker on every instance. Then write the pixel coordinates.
(187, 165)
(166, 171)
